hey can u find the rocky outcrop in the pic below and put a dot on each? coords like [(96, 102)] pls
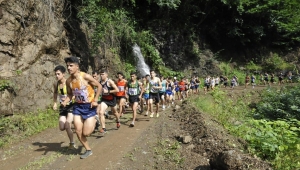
[(35, 36)]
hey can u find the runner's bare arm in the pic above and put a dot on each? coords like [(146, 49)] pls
[(159, 84), (69, 92), (142, 89), (114, 86), (55, 96), (94, 83)]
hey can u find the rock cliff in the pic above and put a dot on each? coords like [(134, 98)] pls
[(35, 36)]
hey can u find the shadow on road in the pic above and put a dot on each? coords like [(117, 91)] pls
[(55, 147)]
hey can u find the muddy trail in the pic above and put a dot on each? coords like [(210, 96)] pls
[(181, 138)]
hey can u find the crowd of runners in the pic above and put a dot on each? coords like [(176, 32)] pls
[(84, 98)]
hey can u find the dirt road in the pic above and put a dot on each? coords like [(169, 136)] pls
[(48, 150)]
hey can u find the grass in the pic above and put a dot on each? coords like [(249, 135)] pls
[(275, 141), (19, 126), (168, 150)]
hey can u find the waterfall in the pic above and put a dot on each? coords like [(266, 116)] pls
[(142, 67)]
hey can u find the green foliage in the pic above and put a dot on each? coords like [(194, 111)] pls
[(276, 141), (172, 4), (280, 104), (19, 126), (5, 84), (282, 15), (251, 66), (229, 72), (169, 151), (276, 63)]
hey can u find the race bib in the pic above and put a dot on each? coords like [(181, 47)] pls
[(133, 91), (80, 95), (121, 88)]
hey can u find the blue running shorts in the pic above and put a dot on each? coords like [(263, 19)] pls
[(84, 110)]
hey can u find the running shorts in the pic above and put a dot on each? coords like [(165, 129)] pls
[(134, 98), (110, 103), (161, 94), (146, 96), (63, 111), (154, 96), (170, 93), (84, 110)]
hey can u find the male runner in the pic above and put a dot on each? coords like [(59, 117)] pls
[(169, 91), (121, 95), (162, 92), (108, 99), (154, 86), (135, 94), (80, 85), (96, 76), (146, 91), (65, 113)]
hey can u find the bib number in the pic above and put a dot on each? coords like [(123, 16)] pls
[(132, 91), (121, 88)]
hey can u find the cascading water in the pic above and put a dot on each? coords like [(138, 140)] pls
[(142, 67)]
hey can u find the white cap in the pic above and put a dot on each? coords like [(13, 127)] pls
[(174, 78)]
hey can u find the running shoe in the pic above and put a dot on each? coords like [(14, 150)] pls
[(163, 107), (131, 125), (172, 102), (146, 114), (106, 115), (151, 115), (102, 130), (118, 125), (157, 114), (86, 154), (72, 146)]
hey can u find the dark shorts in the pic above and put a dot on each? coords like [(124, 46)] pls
[(63, 111), (84, 110), (154, 96), (146, 96), (161, 94), (196, 86), (120, 97), (177, 89), (266, 79), (133, 99), (110, 103), (192, 87)]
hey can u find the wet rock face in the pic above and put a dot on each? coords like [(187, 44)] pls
[(33, 40)]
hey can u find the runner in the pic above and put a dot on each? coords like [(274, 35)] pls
[(289, 77), (182, 87), (108, 99), (135, 95), (233, 82), (272, 78), (280, 78), (217, 81), (253, 81), (80, 85), (146, 94), (212, 83), (121, 95), (154, 86), (193, 85), (187, 87), (197, 85), (96, 76), (177, 93), (247, 80), (169, 91), (206, 84), (65, 113), (225, 81), (162, 92), (266, 79)]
